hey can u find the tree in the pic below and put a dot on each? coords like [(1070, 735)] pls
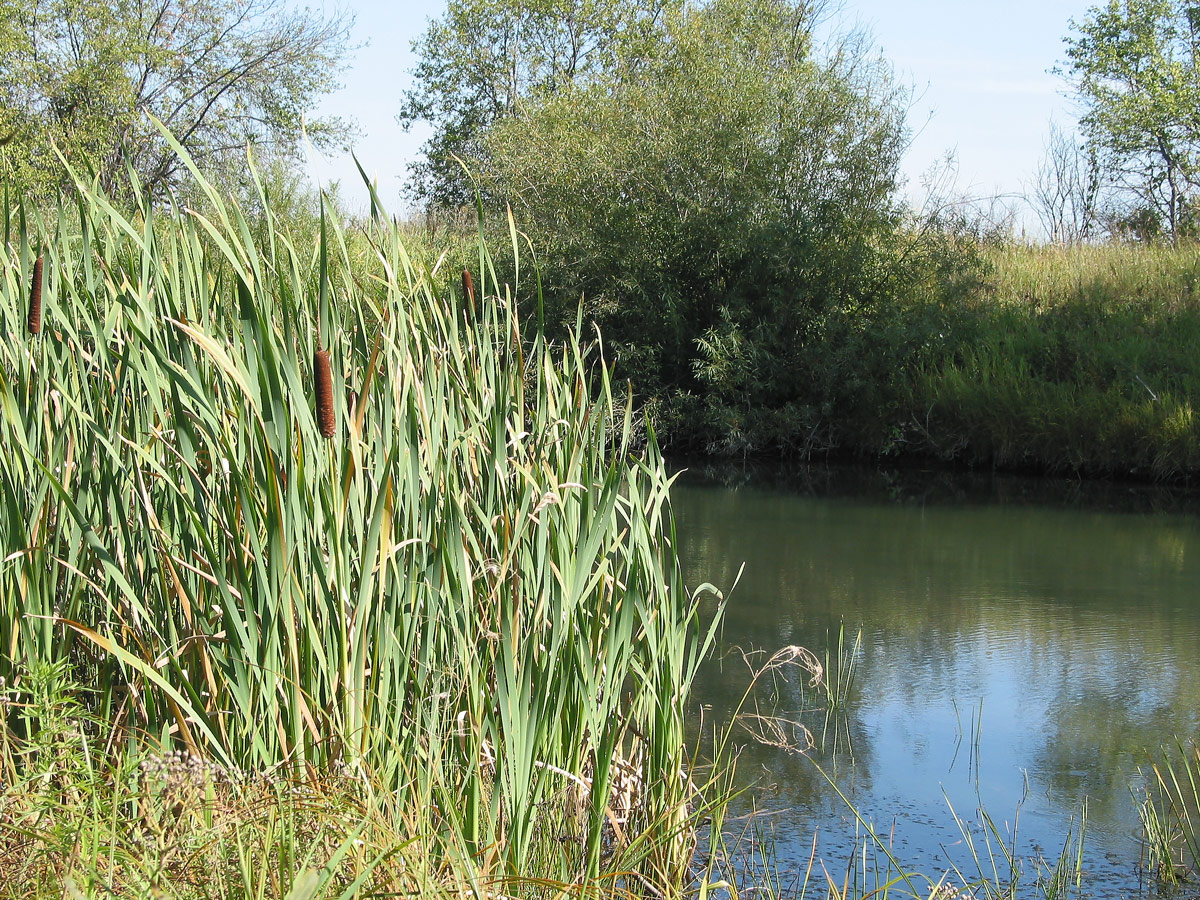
[(717, 202), (85, 75), (1135, 65), (1067, 189), (483, 58)]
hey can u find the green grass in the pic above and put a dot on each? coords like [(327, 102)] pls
[(1048, 359), (1075, 360), (1170, 815), (1157, 279), (459, 622)]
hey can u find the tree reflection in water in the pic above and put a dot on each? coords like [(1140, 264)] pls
[(1072, 620)]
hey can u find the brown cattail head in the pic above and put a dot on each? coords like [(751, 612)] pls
[(469, 290), (35, 298), (323, 383)]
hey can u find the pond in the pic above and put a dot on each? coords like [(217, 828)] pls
[(1026, 646)]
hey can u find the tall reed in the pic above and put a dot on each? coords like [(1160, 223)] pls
[(470, 600), (1170, 814)]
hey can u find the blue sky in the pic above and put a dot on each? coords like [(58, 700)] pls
[(980, 71)]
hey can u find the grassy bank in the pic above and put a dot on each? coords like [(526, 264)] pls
[(1044, 359), (318, 579), (1074, 359)]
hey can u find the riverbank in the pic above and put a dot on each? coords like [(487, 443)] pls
[(1076, 360)]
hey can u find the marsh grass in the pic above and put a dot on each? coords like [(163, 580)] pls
[(461, 622), (985, 861), (841, 666), (1158, 278), (1069, 359), (1048, 359), (992, 870), (1170, 815), (81, 824)]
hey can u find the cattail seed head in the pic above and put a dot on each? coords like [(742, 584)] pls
[(323, 384), (468, 289), (35, 298)]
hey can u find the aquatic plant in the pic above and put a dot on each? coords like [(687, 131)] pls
[(1170, 814), (323, 389), (34, 322), (841, 664), (468, 605)]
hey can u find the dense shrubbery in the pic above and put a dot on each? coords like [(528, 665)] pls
[(725, 208), (723, 204)]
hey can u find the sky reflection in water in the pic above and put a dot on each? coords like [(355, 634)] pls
[(1062, 636)]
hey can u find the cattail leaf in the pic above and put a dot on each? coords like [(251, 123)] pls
[(220, 357)]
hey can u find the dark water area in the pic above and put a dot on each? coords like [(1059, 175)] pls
[(1027, 645)]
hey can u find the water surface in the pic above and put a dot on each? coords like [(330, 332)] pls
[(1026, 645)]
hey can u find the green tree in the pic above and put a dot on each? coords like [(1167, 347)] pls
[(1134, 65), (84, 75), (483, 58), (726, 207)]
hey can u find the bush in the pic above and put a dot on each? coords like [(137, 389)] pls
[(726, 211)]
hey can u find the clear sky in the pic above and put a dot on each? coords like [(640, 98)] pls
[(980, 70)]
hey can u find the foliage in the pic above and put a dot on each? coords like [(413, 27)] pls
[(1069, 359), (1134, 65), (721, 206), (483, 58), (82, 823), (84, 76), (467, 598), (1074, 359)]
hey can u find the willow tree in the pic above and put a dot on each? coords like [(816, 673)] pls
[(715, 202), (479, 62), (84, 76)]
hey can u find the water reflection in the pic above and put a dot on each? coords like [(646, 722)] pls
[(1010, 646)]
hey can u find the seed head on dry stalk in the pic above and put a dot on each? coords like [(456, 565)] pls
[(323, 386), (35, 298)]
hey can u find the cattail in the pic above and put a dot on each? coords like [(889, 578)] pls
[(323, 382), (35, 298), (469, 290)]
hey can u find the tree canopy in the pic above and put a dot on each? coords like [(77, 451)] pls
[(726, 206), (220, 74), (715, 181), (482, 58), (1135, 65)]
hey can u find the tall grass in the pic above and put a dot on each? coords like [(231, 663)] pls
[(461, 592), (1170, 815), (1073, 359)]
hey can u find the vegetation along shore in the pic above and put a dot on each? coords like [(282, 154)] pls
[(761, 280), (318, 578), (337, 556)]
